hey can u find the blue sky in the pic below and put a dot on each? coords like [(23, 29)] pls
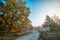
[(33, 8), (3, 1), (40, 8)]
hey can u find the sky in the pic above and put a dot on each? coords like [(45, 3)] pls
[(40, 8)]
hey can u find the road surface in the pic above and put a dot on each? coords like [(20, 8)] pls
[(32, 36)]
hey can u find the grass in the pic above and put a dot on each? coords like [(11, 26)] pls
[(49, 36)]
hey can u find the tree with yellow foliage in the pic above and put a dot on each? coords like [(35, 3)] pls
[(14, 16)]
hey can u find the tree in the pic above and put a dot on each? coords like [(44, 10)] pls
[(49, 22), (14, 16)]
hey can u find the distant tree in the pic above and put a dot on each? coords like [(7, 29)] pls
[(49, 22), (31, 28)]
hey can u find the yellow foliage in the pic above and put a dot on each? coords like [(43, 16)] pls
[(13, 1), (11, 13), (21, 17), (3, 22), (10, 1), (13, 30)]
